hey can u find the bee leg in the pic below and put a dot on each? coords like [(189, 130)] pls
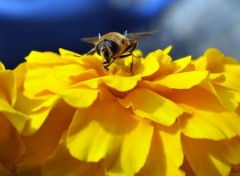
[(106, 64), (130, 48), (91, 51)]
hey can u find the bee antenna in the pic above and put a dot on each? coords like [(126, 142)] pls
[(99, 36), (125, 33)]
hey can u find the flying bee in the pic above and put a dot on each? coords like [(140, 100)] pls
[(114, 45)]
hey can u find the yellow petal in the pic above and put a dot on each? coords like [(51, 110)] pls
[(7, 86), (17, 119), (167, 50), (11, 145), (55, 84), (181, 64), (63, 72), (233, 69), (44, 58), (19, 73), (187, 168), (148, 104), (36, 110), (227, 97), (208, 157), (121, 83), (35, 79), (45, 140), (183, 80), (91, 83), (159, 89), (200, 63), (164, 62), (65, 52), (166, 155), (148, 67), (211, 125), (106, 130), (80, 98), (69, 165), (232, 150), (135, 148), (206, 118), (230, 81), (71, 72), (106, 95), (2, 66)]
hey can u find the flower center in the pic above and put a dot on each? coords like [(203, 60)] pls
[(126, 66)]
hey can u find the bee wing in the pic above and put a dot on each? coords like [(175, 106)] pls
[(91, 40), (133, 36)]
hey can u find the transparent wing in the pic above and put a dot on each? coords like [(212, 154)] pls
[(133, 36), (90, 39)]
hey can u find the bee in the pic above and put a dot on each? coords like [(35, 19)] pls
[(114, 45)]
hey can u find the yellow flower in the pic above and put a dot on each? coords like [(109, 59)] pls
[(167, 118)]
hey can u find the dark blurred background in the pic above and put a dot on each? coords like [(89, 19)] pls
[(190, 26)]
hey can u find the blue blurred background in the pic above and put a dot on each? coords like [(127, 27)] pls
[(190, 26)]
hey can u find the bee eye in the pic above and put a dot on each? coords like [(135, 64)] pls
[(99, 47), (106, 54), (113, 46), (107, 44)]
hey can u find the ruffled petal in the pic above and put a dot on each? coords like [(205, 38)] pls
[(181, 64), (7, 87), (44, 58), (37, 111), (63, 72), (148, 104), (64, 52), (33, 86), (80, 98), (121, 83), (208, 157), (166, 155), (206, 125), (205, 117), (230, 81), (46, 139), (11, 145), (19, 73), (148, 66), (110, 133), (228, 98), (183, 80), (69, 165), (17, 119)]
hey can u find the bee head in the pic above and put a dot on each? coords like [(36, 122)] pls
[(107, 49)]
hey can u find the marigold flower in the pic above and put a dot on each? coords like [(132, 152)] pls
[(167, 118)]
